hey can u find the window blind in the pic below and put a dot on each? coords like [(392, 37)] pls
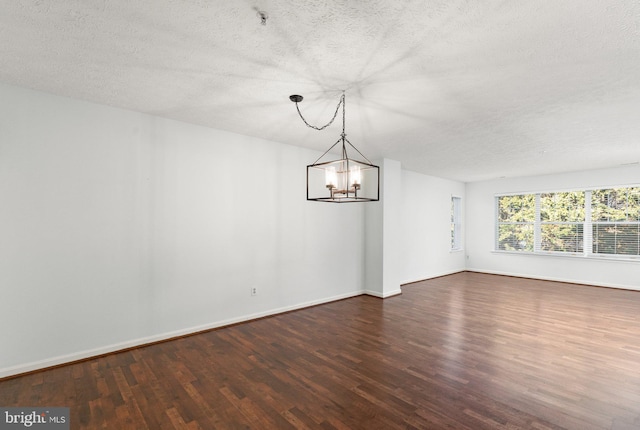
[(615, 214), (585, 222), (456, 223)]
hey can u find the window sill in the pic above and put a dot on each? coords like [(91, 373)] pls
[(626, 258)]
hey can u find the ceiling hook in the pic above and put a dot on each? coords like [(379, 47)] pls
[(263, 17)]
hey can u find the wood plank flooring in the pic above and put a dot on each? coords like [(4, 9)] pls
[(465, 351)]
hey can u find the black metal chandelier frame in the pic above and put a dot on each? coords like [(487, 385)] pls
[(350, 169)]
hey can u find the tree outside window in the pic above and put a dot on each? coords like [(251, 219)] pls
[(585, 222)]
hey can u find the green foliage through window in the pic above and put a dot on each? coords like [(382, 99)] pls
[(615, 216), (456, 223), (565, 222), (516, 216), (562, 216)]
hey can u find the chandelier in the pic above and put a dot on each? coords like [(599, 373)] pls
[(343, 180)]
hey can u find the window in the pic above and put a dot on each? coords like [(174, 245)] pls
[(456, 224), (586, 222), (562, 217), (516, 220), (615, 215)]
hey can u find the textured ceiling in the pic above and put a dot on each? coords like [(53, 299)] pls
[(458, 89)]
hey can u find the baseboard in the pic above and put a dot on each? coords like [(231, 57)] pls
[(438, 275), (20, 369), (383, 296), (399, 290), (551, 278)]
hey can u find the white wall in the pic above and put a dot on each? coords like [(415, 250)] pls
[(383, 241), (480, 231), (119, 228), (426, 227)]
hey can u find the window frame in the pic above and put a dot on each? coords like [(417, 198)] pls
[(456, 224), (588, 226), (617, 224)]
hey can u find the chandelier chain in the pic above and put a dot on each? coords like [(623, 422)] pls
[(335, 114), (344, 108)]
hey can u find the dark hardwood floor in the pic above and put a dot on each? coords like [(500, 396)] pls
[(465, 351)]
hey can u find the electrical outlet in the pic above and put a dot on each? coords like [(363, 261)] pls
[(254, 291)]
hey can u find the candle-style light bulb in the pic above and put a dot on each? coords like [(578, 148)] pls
[(355, 176), (330, 177)]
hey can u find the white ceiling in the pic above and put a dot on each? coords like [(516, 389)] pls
[(468, 90)]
